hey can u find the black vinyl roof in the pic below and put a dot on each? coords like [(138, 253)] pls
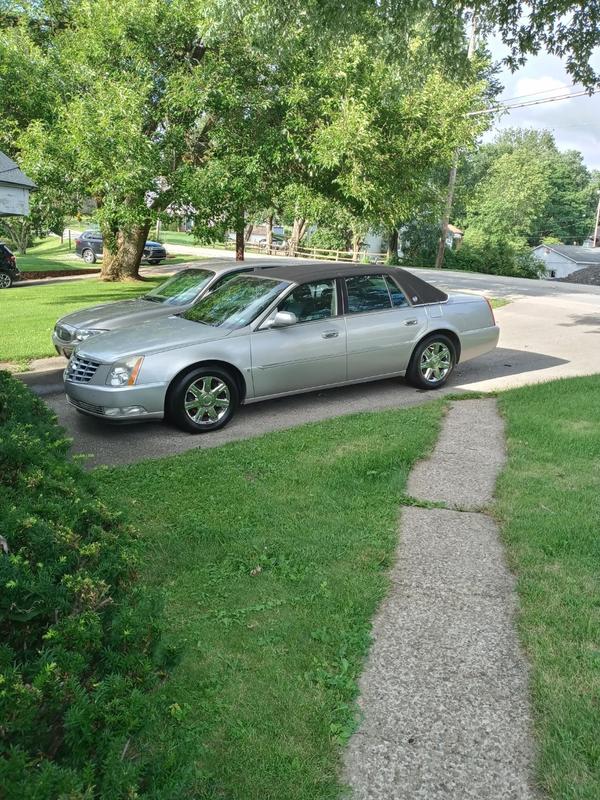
[(418, 291)]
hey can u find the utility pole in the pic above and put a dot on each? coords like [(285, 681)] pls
[(439, 259), (596, 241)]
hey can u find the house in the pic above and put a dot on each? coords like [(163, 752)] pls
[(561, 260), (14, 189), (454, 237)]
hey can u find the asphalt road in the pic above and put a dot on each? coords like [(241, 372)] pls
[(549, 330)]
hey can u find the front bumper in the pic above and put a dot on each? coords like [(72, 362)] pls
[(127, 404), (63, 348)]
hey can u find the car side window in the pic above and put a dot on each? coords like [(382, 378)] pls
[(367, 293), (398, 297), (312, 301)]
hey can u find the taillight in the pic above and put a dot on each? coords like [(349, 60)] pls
[(491, 311), (77, 241), (13, 261)]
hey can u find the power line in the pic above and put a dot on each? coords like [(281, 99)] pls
[(495, 109), (535, 94)]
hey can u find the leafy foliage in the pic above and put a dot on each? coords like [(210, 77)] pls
[(493, 256), (78, 638)]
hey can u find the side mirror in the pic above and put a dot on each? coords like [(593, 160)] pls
[(283, 319)]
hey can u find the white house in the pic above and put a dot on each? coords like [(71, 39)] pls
[(14, 189), (560, 260)]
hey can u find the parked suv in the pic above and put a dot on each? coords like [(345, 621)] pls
[(89, 247), (9, 272)]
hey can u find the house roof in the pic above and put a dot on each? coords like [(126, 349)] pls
[(454, 229), (575, 253), (11, 175)]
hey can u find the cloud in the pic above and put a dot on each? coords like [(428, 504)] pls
[(575, 122)]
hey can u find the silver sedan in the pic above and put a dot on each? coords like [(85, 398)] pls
[(292, 329), (173, 296)]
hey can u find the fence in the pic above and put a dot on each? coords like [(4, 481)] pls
[(318, 253)]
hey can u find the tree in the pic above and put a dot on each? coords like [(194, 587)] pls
[(522, 185)]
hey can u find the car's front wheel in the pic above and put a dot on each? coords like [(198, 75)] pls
[(5, 280), (155, 261), (89, 256), (203, 400), (432, 362)]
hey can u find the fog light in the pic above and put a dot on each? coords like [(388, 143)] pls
[(134, 410), (112, 412)]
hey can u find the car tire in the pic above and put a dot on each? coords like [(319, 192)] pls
[(432, 362), (89, 256), (202, 400), (155, 261), (6, 280)]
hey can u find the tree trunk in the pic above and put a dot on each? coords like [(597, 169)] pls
[(123, 263), (356, 245), (392, 248), (269, 233), (18, 231), (239, 242), (298, 230), (248, 234)]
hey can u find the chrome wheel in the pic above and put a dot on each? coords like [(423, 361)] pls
[(207, 400), (436, 362), (5, 281), (89, 257)]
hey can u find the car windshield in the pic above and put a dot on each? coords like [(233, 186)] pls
[(181, 288), (236, 303)]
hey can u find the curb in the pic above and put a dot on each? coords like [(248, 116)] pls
[(45, 382)]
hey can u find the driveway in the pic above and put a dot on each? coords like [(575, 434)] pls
[(549, 330)]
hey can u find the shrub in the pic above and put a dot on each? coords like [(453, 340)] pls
[(495, 258), (78, 636)]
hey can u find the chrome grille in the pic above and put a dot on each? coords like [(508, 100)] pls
[(80, 369)]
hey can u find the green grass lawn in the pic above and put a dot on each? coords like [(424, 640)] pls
[(272, 555), (28, 313), (50, 255), (549, 506)]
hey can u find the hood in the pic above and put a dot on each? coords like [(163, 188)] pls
[(117, 315), (151, 337)]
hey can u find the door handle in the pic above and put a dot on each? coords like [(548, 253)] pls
[(330, 334), (411, 322)]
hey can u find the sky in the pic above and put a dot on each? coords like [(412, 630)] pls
[(575, 123)]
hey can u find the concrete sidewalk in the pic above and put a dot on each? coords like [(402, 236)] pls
[(444, 694)]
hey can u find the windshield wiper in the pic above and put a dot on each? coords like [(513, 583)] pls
[(153, 298)]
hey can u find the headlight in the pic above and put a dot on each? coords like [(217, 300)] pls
[(124, 373), (81, 335)]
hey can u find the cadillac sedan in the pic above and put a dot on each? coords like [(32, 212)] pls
[(267, 334), (174, 296)]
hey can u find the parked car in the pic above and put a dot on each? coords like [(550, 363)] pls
[(286, 330), (9, 272), (90, 243), (173, 296)]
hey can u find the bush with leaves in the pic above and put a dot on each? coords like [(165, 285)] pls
[(79, 637), (495, 258)]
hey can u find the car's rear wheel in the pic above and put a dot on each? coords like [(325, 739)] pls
[(432, 362), (5, 280), (203, 400), (89, 256)]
